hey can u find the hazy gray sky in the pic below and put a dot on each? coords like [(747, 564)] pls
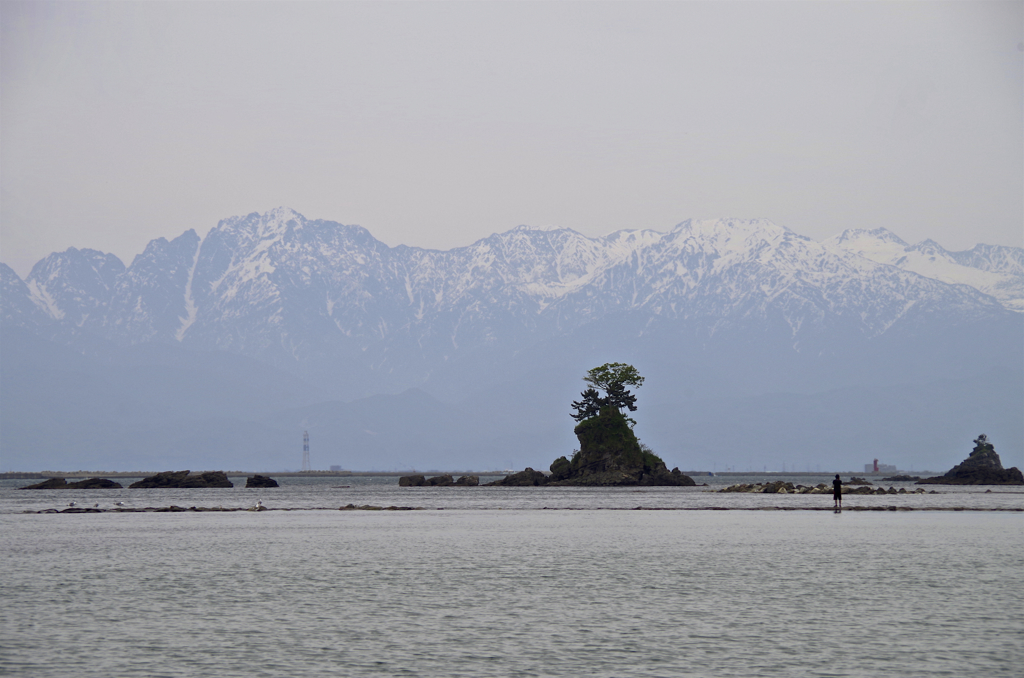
[(435, 124)]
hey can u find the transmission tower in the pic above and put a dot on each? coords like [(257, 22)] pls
[(305, 451)]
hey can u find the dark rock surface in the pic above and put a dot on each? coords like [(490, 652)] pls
[(182, 479), (982, 467), (443, 480), (50, 484), (260, 481), (87, 484), (468, 481), (782, 487), (525, 478)]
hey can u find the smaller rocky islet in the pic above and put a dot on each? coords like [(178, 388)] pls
[(62, 484), (207, 479), (443, 480), (259, 481), (166, 479), (982, 467), (183, 479)]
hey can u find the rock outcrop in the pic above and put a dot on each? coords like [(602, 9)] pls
[(443, 480), (184, 479), (260, 481), (609, 455), (525, 478), (782, 487), (87, 484), (982, 467)]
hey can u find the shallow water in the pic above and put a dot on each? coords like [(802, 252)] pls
[(332, 493), (495, 586)]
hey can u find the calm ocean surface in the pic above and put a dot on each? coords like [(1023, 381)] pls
[(495, 585)]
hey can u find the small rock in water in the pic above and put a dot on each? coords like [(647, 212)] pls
[(260, 481)]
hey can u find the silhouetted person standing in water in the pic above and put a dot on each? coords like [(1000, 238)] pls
[(837, 493)]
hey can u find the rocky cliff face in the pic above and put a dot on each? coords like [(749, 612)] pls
[(982, 467)]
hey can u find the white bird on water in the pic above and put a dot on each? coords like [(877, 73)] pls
[(71, 503), (118, 503)]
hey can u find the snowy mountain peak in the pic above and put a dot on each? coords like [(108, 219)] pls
[(256, 227), (858, 235), (931, 247), (72, 284), (731, 234)]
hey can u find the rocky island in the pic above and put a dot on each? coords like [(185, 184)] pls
[(609, 453), (982, 467)]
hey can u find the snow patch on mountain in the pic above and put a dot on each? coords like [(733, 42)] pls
[(43, 299), (190, 303)]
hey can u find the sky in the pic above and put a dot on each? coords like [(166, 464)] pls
[(436, 124)]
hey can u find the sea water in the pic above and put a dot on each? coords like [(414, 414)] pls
[(492, 582)]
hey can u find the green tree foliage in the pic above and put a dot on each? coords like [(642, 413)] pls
[(612, 378), (613, 374), (588, 406)]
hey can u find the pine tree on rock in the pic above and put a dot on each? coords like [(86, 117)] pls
[(612, 378)]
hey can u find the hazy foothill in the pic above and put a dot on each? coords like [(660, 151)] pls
[(763, 349)]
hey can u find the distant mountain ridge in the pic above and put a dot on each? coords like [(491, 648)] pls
[(279, 287), (725, 308)]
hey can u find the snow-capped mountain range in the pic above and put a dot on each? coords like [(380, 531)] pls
[(717, 301), (280, 286)]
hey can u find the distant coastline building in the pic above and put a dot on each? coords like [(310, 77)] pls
[(875, 467)]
